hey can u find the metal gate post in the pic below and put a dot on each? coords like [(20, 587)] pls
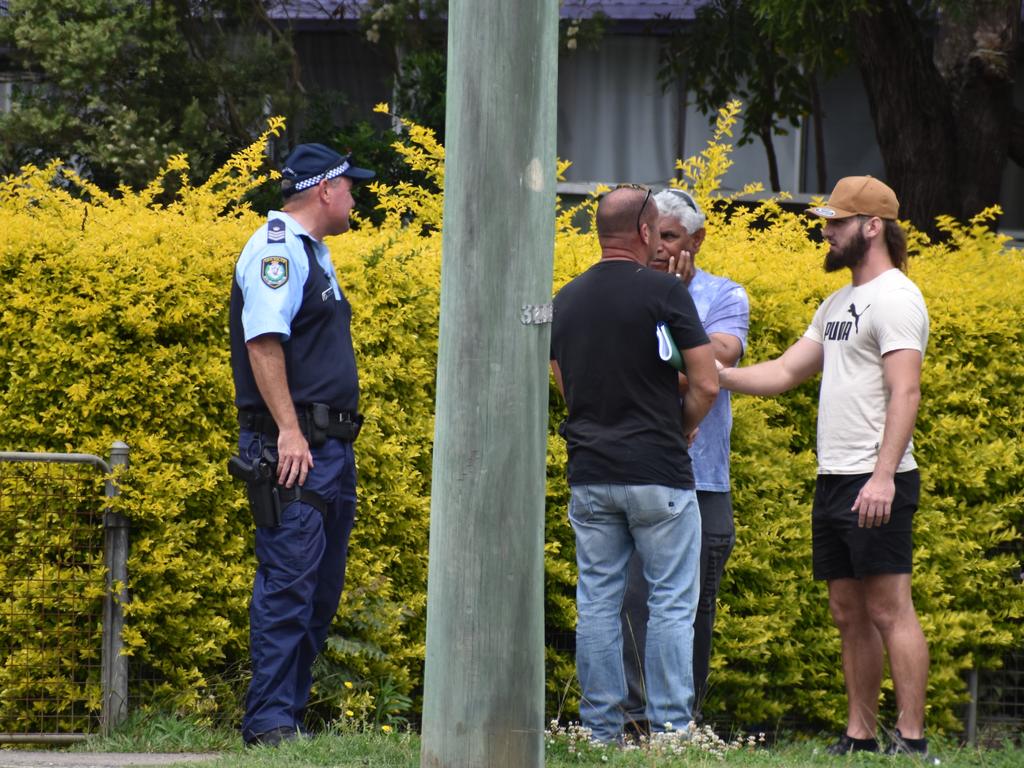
[(115, 555), (972, 708)]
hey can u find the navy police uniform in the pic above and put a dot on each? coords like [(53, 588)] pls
[(285, 284)]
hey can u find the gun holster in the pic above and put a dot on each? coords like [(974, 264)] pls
[(261, 485)]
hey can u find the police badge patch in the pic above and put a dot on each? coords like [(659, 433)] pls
[(274, 271), (275, 231)]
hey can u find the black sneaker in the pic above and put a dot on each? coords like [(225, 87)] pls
[(272, 738), (900, 745), (637, 730), (847, 744)]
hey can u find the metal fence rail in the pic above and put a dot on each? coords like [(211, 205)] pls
[(63, 553)]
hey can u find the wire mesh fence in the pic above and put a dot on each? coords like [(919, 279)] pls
[(55, 597), (995, 712)]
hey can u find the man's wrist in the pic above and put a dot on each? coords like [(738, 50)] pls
[(287, 421), (884, 473)]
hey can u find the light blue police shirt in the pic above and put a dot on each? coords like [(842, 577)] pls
[(723, 307), (271, 271)]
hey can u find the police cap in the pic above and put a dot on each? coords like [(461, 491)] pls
[(309, 164)]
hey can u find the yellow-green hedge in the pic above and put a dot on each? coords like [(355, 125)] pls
[(114, 318)]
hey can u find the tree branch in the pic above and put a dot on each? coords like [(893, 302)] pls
[(296, 67)]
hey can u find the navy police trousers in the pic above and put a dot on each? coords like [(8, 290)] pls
[(299, 577)]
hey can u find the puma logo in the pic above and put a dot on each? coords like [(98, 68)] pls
[(856, 317)]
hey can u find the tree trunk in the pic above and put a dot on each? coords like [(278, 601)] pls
[(1017, 138), (911, 109), (773, 162), (818, 115), (943, 113), (974, 54)]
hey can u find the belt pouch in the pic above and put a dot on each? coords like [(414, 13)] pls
[(319, 419)]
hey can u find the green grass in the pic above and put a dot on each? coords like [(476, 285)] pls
[(146, 732), (401, 750), (789, 755)]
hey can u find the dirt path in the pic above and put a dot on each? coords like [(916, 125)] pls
[(10, 758)]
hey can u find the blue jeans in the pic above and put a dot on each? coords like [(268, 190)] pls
[(718, 535), (663, 525)]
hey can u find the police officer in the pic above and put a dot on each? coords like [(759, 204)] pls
[(297, 393)]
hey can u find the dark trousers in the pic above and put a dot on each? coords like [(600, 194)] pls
[(298, 584), (718, 534)]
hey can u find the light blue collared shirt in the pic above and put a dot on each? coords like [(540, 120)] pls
[(723, 307), (271, 272)]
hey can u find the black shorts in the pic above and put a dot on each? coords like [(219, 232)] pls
[(841, 549)]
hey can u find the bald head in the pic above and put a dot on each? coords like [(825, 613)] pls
[(627, 225), (619, 212)]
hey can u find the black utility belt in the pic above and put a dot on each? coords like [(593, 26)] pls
[(317, 421)]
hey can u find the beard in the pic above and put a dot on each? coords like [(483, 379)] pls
[(847, 256)]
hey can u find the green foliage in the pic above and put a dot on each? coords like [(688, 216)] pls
[(767, 54), (415, 31), (583, 33), (117, 85), (352, 746), (373, 148), (146, 731)]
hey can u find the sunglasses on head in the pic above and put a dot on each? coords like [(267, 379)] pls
[(641, 188), (685, 197)]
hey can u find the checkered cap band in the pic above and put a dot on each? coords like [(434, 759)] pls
[(312, 181)]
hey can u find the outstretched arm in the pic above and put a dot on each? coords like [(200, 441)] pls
[(797, 364)]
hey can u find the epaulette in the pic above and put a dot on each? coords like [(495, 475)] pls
[(275, 231)]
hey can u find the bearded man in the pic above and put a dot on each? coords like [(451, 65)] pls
[(868, 341)]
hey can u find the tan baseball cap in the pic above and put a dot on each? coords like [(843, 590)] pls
[(859, 196)]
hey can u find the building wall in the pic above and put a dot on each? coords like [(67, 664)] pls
[(615, 121), (341, 67), (617, 124)]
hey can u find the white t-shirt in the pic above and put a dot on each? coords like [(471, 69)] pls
[(856, 325)]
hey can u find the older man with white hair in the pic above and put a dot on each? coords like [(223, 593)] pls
[(724, 312)]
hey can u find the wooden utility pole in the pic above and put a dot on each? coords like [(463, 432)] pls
[(484, 681)]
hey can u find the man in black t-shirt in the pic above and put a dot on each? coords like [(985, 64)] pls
[(629, 472)]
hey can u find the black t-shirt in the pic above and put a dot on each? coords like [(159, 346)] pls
[(625, 420)]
